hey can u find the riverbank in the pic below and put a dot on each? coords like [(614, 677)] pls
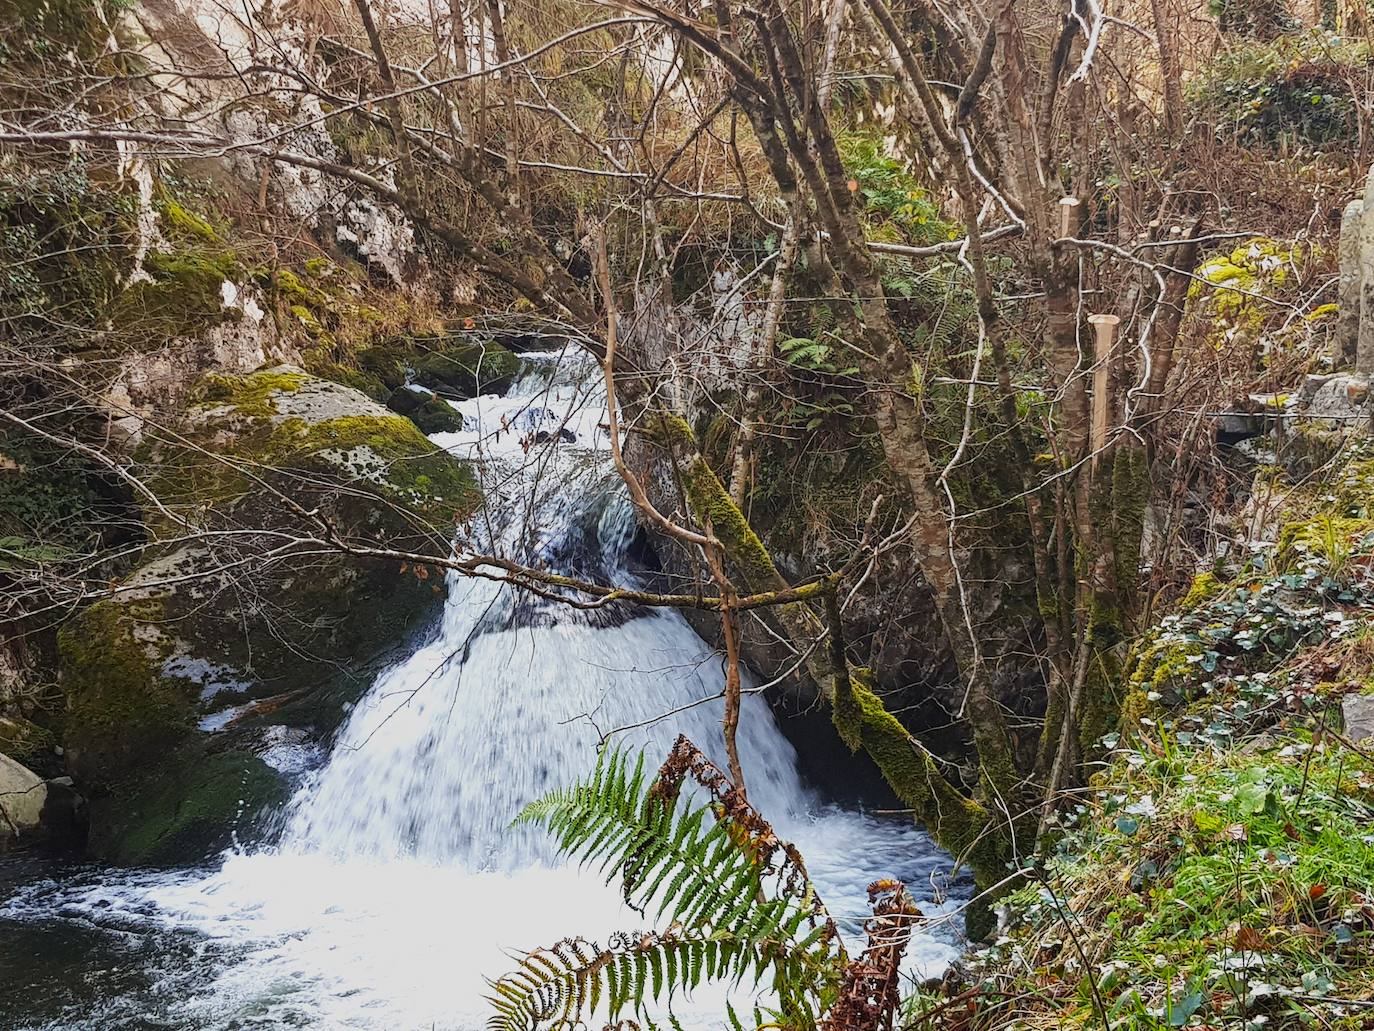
[(1219, 868)]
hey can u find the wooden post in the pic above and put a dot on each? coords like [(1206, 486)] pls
[(1069, 215), (1104, 327), (1364, 348), (1348, 314)]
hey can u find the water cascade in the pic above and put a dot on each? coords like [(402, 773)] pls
[(397, 884)]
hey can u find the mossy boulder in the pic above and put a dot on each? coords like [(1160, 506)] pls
[(121, 709), (465, 368), (182, 296), (429, 412), (257, 613), (186, 810), (385, 364)]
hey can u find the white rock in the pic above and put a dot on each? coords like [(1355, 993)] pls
[(1358, 710), (22, 795)]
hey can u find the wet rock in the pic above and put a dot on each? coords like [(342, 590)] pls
[(216, 623), (464, 369), (185, 809), (563, 433)]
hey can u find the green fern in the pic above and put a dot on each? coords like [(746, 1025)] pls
[(737, 903)]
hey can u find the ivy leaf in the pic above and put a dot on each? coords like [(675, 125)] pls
[(1180, 1010)]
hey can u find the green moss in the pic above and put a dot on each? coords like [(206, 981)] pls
[(1162, 668), (957, 823), (712, 506), (387, 363), (430, 414), (185, 810), (1233, 287), (463, 368), (1334, 539), (121, 711), (181, 222), (358, 379), (307, 319), (25, 741), (1130, 493), (385, 454), (185, 294), (390, 451), (1204, 588), (248, 395), (1101, 711)]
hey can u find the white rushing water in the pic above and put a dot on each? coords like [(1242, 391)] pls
[(398, 884)]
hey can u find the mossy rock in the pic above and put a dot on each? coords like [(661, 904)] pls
[(429, 413), (183, 296), (182, 223), (336, 372), (320, 443), (185, 810), (122, 711), (308, 628), (465, 369), (387, 364)]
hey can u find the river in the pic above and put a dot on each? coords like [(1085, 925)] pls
[(394, 885)]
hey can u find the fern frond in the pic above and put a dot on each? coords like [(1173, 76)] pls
[(566, 984), (738, 905)]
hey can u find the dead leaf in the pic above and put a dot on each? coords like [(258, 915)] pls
[(1235, 832), (1316, 891), (1249, 940)]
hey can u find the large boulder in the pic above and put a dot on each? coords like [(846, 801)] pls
[(256, 613), (429, 412), (463, 368)]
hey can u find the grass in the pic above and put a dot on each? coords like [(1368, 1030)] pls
[(1205, 887)]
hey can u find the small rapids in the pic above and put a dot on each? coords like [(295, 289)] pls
[(397, 885)]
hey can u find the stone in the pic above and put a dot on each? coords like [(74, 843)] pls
[(1342, 399), (159, 678), (185, 809), (429, 412), (22, 797), (1358, 711)]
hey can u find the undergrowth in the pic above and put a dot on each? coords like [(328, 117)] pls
[(1219, 871)]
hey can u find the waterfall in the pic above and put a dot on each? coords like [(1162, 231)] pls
[(510, 699), (398, 884)]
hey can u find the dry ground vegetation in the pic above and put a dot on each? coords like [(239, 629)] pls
[(919, 206)]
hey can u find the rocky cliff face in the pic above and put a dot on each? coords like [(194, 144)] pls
[(191, 323)]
